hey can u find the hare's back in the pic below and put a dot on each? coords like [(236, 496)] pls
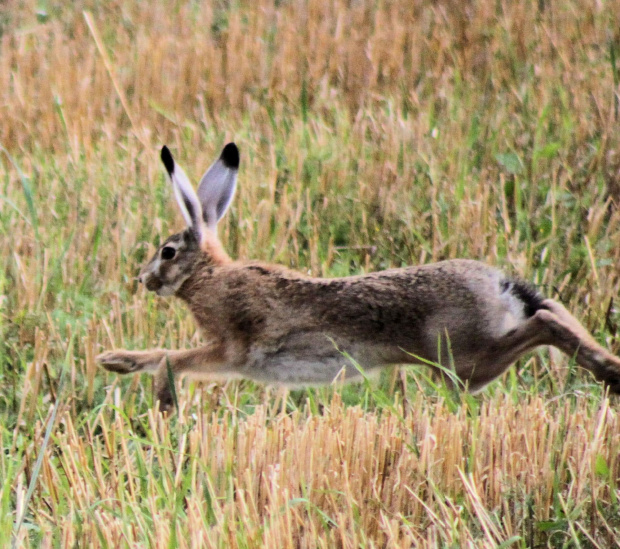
[(377, 319), (468, 304)]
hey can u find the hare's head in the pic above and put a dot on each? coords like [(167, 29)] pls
[(176, 259)]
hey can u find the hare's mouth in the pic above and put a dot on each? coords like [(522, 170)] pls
[(156, 285), (153, 284)]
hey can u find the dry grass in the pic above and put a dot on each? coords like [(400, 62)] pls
[(347, 478), (372, 134)]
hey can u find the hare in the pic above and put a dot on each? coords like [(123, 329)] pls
[(277, 326)]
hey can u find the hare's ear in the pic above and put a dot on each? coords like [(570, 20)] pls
[(184, 193), (217, 186)]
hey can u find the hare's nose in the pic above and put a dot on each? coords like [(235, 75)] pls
[(140, 279)]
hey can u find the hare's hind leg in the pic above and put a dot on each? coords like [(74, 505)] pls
[(550, 325), (573, 339), (502, 352)]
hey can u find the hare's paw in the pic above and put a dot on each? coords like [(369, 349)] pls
[(163, 390), (606, 368), (127, 362), (166, 402), (609, 374), (121, 362), (614, 387)]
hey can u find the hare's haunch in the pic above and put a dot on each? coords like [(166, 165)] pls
[(274, 325)]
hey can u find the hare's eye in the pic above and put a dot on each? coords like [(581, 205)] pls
[(168, 252)]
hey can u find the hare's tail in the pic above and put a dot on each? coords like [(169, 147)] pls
[(526, 293)]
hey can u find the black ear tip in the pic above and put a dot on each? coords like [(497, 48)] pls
[(167, 159), (230, 156)]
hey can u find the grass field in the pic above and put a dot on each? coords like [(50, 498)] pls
[(372, 135)]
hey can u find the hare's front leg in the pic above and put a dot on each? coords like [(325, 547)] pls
[(129, 362), (214, 361)]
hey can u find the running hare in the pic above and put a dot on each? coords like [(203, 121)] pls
[(274, 325)]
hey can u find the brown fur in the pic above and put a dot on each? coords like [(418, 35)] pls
[(274, 325), (212, 248)]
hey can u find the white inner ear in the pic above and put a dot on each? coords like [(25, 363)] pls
[(187, 200), (216, 191)]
